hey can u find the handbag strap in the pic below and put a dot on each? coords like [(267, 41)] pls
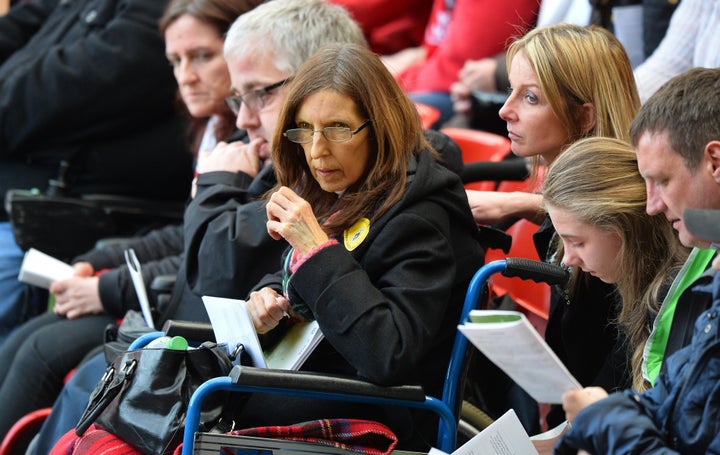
[(105, 391)]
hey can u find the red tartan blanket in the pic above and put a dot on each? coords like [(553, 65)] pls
[(95, 441), (362, 436)]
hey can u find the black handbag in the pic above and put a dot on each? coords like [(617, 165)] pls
[(143, 396), (119, 337)]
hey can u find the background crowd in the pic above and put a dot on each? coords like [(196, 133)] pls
[(288, 132)]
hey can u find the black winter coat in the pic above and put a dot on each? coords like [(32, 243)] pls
[(87, 81), (389, 308)]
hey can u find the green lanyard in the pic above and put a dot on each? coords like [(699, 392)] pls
[(286, 272), (655, 346)]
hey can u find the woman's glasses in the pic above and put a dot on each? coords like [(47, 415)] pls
[(331, 133)]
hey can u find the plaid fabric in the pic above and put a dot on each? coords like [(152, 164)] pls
[(95, 441), (362, 436)]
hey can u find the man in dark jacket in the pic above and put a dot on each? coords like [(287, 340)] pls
[(232, 268), (676, 135), (86, 88)]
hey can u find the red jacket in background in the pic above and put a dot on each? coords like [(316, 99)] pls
[(390, 25), (461, 30)]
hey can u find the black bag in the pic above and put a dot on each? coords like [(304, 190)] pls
[(118, 338), (143, 395)]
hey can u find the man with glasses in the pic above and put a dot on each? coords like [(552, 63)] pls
[(225, 235)]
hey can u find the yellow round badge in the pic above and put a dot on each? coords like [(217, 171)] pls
[(354, 236)]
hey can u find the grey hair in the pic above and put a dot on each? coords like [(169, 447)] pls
[(291, 31)]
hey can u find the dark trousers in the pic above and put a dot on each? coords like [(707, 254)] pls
[(37, 356)]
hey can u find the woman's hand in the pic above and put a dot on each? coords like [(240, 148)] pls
[(267, 308), (575, 401), (291, 217), (490, 207)]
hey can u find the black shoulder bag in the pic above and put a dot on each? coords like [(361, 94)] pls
[(143, 396)]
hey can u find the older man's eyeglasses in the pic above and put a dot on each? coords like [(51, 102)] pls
[(331, 133), (254, 99)]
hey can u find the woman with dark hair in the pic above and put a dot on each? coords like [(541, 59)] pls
[(382, 241), (194, 32)]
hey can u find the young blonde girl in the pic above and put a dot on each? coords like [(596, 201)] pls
[(596, 198)]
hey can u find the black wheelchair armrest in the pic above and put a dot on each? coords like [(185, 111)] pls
[(492, 237), (321, 382), (161, 288), (157, 209), (512, 169)]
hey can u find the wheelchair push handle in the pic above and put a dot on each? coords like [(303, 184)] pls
[(540, 272)]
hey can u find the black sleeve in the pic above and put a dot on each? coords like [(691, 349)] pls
[(21, 23), (157, 244), (501, 73), (228, 249), (117, 292), (106, 72)]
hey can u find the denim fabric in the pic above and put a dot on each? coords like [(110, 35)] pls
[(37, 357), (12, 302)]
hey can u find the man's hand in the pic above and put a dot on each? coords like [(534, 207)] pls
[(474, 75), (232, 157), (575, 401)]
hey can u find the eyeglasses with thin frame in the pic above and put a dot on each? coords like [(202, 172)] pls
[(253, 99), (331, 133)]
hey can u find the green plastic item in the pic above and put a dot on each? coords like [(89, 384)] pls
[(178, 343)]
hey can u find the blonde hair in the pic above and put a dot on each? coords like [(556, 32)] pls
[(577, 65), (597, 181)]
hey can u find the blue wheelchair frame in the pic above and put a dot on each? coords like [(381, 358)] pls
[(323, 386)]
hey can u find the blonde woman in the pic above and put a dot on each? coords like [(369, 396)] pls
[(567, 82)]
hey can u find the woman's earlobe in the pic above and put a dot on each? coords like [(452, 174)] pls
[(589, 117)]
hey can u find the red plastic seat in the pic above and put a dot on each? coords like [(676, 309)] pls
[(532, 298), (477, 145), (428, 115), (22, 432)]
